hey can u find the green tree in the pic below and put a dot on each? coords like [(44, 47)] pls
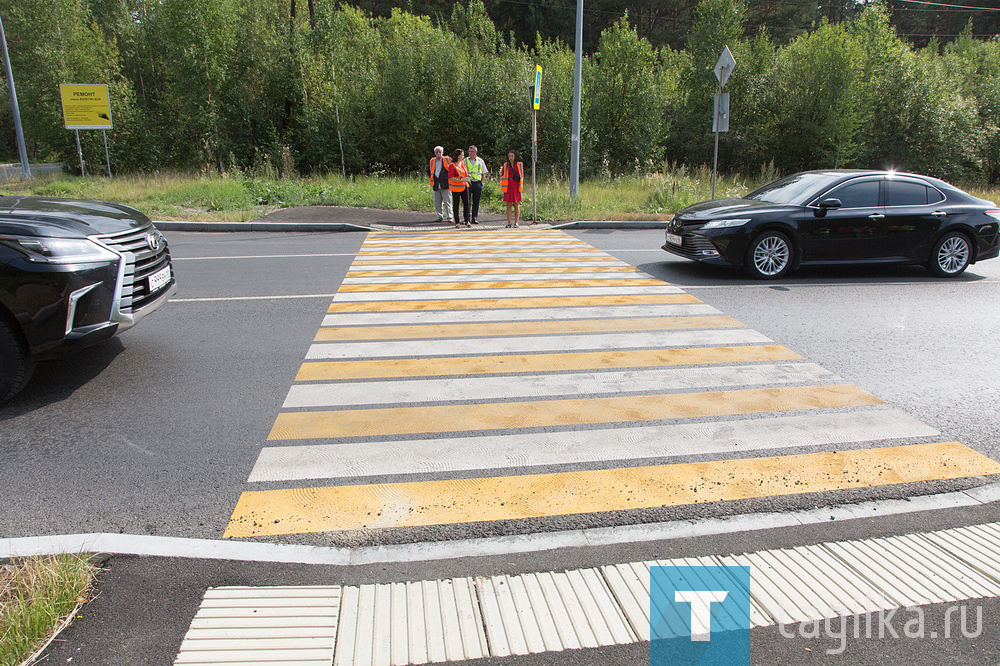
[(812, 95), (625, 88)]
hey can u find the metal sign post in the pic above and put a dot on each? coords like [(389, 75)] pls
[(79, 151), (87, 106), (107, 155), (534, 141), (720, 115)]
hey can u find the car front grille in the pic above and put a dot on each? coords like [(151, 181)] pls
[(140, 263), (693, 246)]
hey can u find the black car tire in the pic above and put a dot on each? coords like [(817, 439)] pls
[(769, 256), (15, 362), (951, 255)]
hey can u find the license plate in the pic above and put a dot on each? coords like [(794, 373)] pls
[(159, 279), (674, 239)]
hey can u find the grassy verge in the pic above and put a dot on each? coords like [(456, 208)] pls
[(239, 198), (37, 595)]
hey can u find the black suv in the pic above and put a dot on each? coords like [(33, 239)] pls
[(72, 273)]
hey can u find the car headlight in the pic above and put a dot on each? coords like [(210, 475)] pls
[(725, 224), (59, 250)]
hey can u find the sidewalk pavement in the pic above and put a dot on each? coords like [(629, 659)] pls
[(145, 606)]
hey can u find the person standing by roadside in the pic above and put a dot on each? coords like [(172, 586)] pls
[(458, 183), (438, 171), (512, 182), (477, 174)]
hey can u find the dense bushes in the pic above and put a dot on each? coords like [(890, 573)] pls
[(225, 85)]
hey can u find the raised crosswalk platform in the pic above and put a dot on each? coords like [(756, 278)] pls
[(498, 376)]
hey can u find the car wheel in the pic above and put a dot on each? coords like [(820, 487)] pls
[(769, 256), (951, 255), (15, 362)]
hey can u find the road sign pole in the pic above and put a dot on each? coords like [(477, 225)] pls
[(22, 151), (715, 159), (534, 160), (107, 155), (723, 68), (79, 152)]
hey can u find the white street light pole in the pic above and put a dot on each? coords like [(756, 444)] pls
[(22, 151), (574, 137)]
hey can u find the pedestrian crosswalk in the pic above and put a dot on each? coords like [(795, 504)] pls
[(495, 376)]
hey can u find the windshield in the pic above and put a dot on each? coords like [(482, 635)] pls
[(797, 189)]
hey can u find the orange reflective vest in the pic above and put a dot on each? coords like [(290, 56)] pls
[(455, 184), (505, 177), (430, 167)]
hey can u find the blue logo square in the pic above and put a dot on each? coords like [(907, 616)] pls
[(700, 615)]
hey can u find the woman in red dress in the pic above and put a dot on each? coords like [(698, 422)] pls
[(511, 182)]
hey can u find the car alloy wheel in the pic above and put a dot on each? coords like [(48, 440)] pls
[(769, 256), (951, 255)]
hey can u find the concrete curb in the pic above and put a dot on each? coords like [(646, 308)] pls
[(175, 225), (246, 551), (221, 227)]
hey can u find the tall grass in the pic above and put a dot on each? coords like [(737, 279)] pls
[(240, 197), (36, 597)]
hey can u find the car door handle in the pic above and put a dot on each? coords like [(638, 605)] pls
[(939, 213), (876, 216)]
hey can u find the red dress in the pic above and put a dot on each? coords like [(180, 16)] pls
[(513, 192)]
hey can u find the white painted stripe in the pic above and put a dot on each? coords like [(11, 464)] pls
[(526, 292), (516, 314), (282, 297), (267, 256), (420, 456), (245, 551), (648, 380), (521, 344), (922, 283), (499, 264), (491, 277), (383, 255)]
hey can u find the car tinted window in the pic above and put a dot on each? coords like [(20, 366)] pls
[(856, 195), (797, 189), (934, 195), (903, 193)]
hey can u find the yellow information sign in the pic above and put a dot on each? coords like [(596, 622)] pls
[(86, 106)]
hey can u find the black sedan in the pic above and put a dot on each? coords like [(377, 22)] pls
[(840, 217)]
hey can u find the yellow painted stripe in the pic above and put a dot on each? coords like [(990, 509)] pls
[(546, 413), (501, 303), (482, 251), (494, 329), (489, 271), (504, 284), (481, 260), (489, 365), (413, 504)]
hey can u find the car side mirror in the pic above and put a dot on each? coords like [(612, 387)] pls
[(825, 205)]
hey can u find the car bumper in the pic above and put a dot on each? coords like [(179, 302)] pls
[(703, 248)]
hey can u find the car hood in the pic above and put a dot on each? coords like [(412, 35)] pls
[(728, 208), (45, 216)]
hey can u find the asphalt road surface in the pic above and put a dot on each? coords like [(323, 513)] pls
[(158, 431), (277, 383)]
